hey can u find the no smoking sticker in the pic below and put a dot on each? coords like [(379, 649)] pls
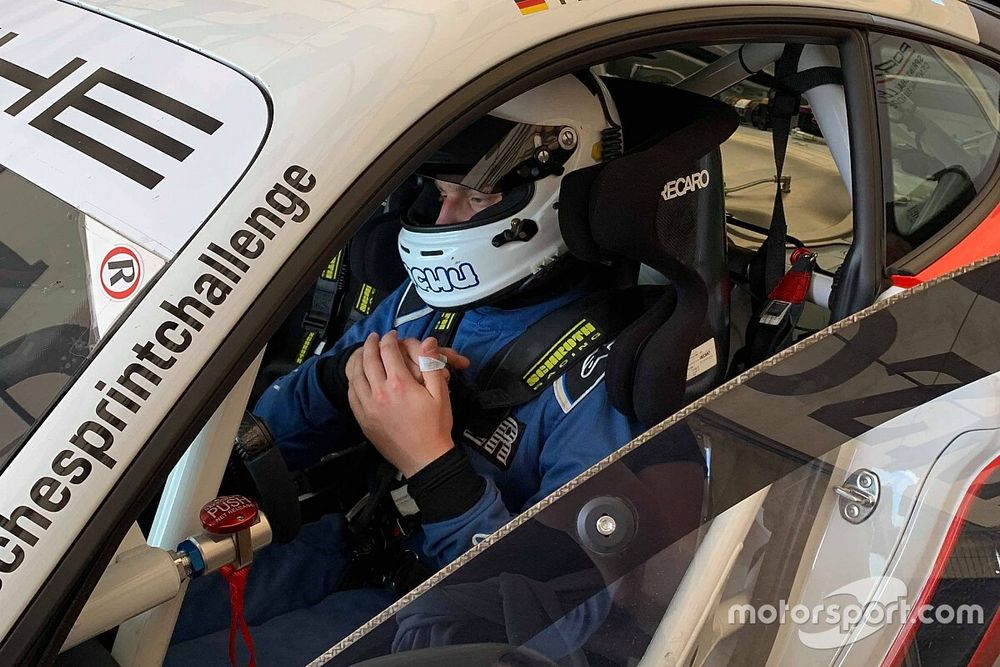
[(121, 272)]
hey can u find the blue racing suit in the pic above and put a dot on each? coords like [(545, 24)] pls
[(554, 441), (542, 445)]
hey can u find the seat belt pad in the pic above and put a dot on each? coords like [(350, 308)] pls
[(324, 301)]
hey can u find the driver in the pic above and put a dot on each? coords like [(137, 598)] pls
[(481, 245)]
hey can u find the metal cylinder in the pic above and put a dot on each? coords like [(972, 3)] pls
[(829, 106), (218, 550), (731, 69)]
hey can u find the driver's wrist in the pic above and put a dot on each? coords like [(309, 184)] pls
[(331, 374), (428, 455)]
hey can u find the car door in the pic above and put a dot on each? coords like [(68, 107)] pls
[(598, 574)]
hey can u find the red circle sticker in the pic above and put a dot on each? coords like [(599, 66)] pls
[(121, 272)]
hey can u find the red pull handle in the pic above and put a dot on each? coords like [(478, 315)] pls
[(234, 515), (237, 580)]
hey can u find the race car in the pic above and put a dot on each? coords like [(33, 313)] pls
[(183, 181)]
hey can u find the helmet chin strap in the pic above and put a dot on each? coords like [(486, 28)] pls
[(559, 276)]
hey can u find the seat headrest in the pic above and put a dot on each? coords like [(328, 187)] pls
[(642, 206)]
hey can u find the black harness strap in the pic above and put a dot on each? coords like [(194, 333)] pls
[(768, 265), (378, 528), (774, 315), (807, 79), (329, 286), (773, 330), (275, 486), (445, 326), (368, 298), (325, 304), (548, 349), (515, 375)]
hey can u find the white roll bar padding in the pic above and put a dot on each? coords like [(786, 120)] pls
[(820, 289), (143, 640), (697, 598), (829, 106), (828, 102)]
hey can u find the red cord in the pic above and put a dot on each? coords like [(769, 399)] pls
[(238, 623)]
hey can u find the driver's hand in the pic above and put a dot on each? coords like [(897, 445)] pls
[(409, 422), (411, 352)]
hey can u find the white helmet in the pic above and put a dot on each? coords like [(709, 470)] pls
[(521, 149)]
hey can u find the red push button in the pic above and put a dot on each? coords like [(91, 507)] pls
[(798, 253), (228, 514)]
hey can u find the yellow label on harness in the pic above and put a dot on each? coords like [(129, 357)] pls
[(306, 347), (333, 268), (565, 349), (365, 299), (444, 322)]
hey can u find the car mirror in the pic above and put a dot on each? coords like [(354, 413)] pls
[(953, 191)]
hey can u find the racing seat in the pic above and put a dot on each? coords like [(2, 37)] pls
[(662, 204)]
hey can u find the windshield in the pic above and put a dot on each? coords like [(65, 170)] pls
[(45, 312), (833, 479)]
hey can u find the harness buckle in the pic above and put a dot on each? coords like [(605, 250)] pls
[(323, 303)]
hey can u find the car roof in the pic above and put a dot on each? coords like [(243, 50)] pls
[(371, 68), (257, 36)]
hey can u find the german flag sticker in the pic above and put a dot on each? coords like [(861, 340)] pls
[(531, 6)]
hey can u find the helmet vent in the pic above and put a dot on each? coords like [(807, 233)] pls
[(611, 144)]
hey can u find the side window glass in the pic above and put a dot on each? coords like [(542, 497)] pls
[(644, 557), (939, 116)]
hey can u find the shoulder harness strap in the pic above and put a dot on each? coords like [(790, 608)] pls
[(543, 353), (553, 344), (411, 307), (445, 326)]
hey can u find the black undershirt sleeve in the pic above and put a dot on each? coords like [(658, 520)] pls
[(447, 487), (331, 372)]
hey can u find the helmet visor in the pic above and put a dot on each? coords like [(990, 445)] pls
[(495, 155)]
